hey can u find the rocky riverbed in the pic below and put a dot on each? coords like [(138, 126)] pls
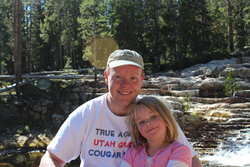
[(212, 120)]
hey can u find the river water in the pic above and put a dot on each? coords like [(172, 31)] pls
[(233, 157), (240, 157), (232, 151), (238, 154)]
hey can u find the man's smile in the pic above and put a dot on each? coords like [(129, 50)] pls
[(125, 93)]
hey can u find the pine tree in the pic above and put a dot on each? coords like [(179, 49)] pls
[(95, 31), (6, 37), (18, 43)]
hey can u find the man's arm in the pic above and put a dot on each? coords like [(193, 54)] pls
[(50, 160), (196, 162)]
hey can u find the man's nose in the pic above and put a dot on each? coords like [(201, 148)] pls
[(124, 82)]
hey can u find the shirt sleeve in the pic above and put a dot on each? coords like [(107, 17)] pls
[(66, 145), (182, 139), (128, 157), (173, 163), (181, 155)]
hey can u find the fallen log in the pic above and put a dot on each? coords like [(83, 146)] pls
[(67, 77), (8, 88)]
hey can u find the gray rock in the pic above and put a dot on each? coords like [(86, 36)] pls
[(243, 93)]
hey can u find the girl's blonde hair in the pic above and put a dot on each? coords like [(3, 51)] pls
[(158, 106)]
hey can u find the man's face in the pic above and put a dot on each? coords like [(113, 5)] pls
[(124, 84)]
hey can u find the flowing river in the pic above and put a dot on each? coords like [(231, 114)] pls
[(237, 155)]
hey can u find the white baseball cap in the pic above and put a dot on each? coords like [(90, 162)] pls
[(125, 57)]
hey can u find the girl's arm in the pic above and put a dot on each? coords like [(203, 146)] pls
[(180, 157)]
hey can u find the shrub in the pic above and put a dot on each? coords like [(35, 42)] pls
[(230, 86), (186, 102)]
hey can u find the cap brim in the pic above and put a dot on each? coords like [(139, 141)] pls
[(118, 63)]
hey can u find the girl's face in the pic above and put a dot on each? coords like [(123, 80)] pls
[(150, 124)]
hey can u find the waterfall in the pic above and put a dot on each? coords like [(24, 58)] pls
[(233, 152)]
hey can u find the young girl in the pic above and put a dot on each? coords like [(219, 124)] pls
[(154, 133)]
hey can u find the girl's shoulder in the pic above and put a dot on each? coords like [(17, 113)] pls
[(179, 148), (135, 150), (177, 144)]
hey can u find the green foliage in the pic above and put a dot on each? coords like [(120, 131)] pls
[(68, 64), (153, 37), (24, 130), (59, 30), (32, 44), (168, 33), (95, 31), (186, 102), (6, 36), (127, 19), (94, 19), (230, 86), (241, 23)]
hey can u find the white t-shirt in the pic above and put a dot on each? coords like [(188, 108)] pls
[(96, 134)]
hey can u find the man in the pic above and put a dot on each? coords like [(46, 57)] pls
[(97, 130)]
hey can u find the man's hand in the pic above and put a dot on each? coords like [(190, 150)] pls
[(196, 162)]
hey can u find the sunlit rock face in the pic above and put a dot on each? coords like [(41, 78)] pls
[(217, 125)]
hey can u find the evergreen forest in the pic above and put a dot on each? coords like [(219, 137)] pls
[(43, 35)]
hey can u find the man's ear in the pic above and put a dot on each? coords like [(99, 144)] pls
[(142, 77), (106, 77)]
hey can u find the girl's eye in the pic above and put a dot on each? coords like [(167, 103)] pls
[(153, 117), (141, 123)]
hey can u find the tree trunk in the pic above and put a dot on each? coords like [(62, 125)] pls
[(230, 26), (30, 63), (60, 54), (18, 43)]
